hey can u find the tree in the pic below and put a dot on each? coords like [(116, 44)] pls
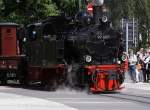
[(26, 11), (68, 6), (1, 8), (132, 9)]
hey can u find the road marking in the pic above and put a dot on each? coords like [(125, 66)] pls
[(72, 98), (18, 102), (69, 102), (143, 93), (86, 102)]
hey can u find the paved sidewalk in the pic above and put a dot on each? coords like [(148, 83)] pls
[(18, 102), (140, 85)]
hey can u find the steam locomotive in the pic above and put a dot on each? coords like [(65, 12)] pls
[(82, 51)]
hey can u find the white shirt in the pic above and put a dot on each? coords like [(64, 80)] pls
[(140, 54), (147, 59), (132, 59)]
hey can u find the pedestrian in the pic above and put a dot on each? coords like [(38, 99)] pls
[(132, 65), (139, 69), (139, 73), (146, 61), (140, 53)]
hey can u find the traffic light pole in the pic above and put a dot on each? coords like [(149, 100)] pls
[(127, 37), (133, 34)]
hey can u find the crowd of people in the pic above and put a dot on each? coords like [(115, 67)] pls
[(139, 65)]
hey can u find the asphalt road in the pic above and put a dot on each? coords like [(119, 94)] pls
[(134, 96)]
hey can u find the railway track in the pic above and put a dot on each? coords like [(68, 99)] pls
[(129, 97)]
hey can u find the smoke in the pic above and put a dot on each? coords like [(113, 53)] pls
[(98, 2), (71, 83)]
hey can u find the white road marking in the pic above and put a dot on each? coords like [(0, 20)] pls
[(18, 102), (143, 93), (72, 98), (70, 101)]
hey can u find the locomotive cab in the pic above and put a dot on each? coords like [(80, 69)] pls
[(45, 53)]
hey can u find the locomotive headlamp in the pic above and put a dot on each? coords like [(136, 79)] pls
[(119, 62), (34, 32), (98, 2), (24, 39), (104, 19), (88, 58)]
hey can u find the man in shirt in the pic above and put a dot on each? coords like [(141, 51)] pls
[(132, 65)]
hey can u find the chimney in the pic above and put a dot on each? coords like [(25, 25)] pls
[(97, 10)]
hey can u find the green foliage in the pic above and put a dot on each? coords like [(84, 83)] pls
[(26, 11), (13, 17), (2, 7), (129, 9), (68, 6), (49, 9)]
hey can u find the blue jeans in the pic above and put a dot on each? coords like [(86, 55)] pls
[(132, 72)]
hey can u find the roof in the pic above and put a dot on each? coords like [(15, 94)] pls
[(8, 24), (34, 24)]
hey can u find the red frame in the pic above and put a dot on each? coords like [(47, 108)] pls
[(102, 81)]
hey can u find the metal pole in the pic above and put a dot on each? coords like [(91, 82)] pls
[(133, 33), (127, 37), (122, 21)]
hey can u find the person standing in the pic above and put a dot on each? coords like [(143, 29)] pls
[(146, 62), (132, 65), (139, 66), (140, 53)]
